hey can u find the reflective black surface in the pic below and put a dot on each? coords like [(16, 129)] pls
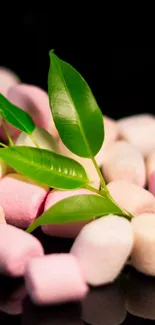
[(130, 299)]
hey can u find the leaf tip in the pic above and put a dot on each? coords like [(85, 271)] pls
[(51, 52)]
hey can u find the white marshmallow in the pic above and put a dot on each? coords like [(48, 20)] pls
[(143, 254), (102, 248), (123, 161), (150, 169), (85, 162), (139, 130), (131, 197), (111, 133), (41, 136), (150, 163)]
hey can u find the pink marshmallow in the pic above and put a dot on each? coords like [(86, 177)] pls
[(151, 183), (55, 278), (67, 229), (21, 199), (35, 102), (2, 215), (7, 79), (16, 249)]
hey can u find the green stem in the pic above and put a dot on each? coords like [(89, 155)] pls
[(34, 141), (106, 194), (3, 145), (7, 135), (92, 189), (125, 213), (103, 184)]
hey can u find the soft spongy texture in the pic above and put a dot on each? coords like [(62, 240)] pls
[(102, 248), (143, 255)]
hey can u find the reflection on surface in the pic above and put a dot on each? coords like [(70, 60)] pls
[(54, 244), (105, 305), (12, 294), (140, 295), (67, 314)]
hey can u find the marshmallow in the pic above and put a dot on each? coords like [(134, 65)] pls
[(2, 215), (55, 278), (143, 254), (140, 295), (21, 199), (35, 102), (68, 229), (85, 162), (150, 169), (123, 161), (111, 131), (16, 248), (131, 197), (102, 248), (139, 130), (41, 136), (106, 304), (7, 79)]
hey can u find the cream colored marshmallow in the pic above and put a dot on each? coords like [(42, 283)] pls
[(123, 161), (131, 197), (138, 130), (102, 248), (143, 254)]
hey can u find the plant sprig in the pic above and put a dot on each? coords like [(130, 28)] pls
[(79, 122)]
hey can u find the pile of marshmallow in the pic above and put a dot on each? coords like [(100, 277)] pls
[(102, 247)]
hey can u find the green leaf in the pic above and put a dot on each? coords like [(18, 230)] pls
[(16, 116), (76, 208), (75, 111), (45, 167)]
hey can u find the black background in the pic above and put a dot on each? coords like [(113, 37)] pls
[(122, 79)]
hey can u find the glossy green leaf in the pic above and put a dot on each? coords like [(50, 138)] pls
[(76, 208), (45, 167), (75, 111), (16, 116)]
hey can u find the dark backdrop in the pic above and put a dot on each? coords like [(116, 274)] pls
[(122, 79)]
